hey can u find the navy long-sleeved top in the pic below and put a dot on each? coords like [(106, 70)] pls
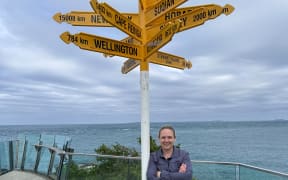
[(169, 167)]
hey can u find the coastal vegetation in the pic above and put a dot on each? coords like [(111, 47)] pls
[(109, 168)]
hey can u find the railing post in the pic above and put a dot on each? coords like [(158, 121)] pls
[(128, 173), (16, 154), (0, 159), (11, 156), (38, 149), (70, 150), (52, 157), (24, 154), (237, 172)]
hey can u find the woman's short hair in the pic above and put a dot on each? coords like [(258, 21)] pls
[(167, 127)]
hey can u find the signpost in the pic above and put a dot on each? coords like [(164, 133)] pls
[(160, 58), (86, 18), (103, 45), (150, 29), (213, 11), (188, 20)]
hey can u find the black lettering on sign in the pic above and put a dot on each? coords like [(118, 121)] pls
[(161, 56), (212, 12), (120, 21), (153, 44), (83, 41), (72, 38), (101, 9), (171, 30), (183, 21), (225, 10), (97, 19), (67, 17), (164, 4), (199, 16), (82, 19), (168, 61), (109, 14), (115, 47), (174, 14), (134, 30)]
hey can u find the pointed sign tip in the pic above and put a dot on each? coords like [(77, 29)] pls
[(188, 64), (65, 37), (57, 16), (228, 9)]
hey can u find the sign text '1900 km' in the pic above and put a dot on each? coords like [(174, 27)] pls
[(103, 45)]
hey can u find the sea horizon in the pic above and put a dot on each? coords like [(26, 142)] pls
[(158, 122)]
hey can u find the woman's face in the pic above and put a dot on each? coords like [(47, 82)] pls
[(166, 139)]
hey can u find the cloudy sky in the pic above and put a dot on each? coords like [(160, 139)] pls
[(240, 68)]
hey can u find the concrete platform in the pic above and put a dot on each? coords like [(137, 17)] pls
[(22, 175)]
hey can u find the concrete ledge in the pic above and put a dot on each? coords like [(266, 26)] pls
[(23, 175)]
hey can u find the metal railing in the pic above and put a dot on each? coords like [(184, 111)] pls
[(63, 164)]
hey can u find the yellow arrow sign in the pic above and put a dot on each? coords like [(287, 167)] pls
[(196, 17), (170, 60), (82, 18), (118, 20), (129, 65), (213, 11), (190, 19), (160, 8), (103, 45), (162, 38), (160, 58)]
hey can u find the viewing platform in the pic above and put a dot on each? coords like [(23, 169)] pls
[(51, 157), (23, 175)]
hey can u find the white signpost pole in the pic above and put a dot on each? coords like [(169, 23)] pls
[(145, 108), (145, 122)]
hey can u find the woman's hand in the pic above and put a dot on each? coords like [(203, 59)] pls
[(182, 168)]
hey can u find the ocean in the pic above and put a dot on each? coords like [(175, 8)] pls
[(261, 143)]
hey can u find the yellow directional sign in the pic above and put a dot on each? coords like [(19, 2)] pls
[(189, 20), (160, 58), (213, 11), (162, 38), (118, 20), (192, 18), (80, 18), (103, 45), (160, 8), (129, 65), (170, 60)]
